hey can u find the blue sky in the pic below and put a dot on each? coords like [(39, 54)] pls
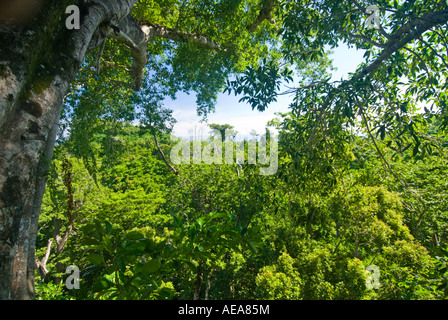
[(240, 115)]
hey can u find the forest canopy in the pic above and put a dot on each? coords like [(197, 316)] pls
[(360, 162)]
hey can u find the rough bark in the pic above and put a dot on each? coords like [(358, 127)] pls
[(36, 67), (39, 57), (198, 284)]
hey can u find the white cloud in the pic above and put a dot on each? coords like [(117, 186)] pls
[(240, 115), (189, 125)]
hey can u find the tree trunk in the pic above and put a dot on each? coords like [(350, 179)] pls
[(198, 284), (38, 60), (209, 285)]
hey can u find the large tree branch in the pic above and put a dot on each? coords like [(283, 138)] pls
[(60, 241), (130, 33), (158, 31), (42, 265), (406, 34), (398, 41), (137, 36), (265, 14)]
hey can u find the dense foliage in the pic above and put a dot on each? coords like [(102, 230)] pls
[(361, 162), (142, 232)]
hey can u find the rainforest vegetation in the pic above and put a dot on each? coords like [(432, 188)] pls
[(137, 230), (88, 178)]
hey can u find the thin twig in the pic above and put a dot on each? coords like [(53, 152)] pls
[(163, 156)]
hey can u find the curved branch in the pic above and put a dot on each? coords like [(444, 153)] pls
[(157, 31), (398, 42), (163, 156), (265, 14), (136, 36), (130, 33), (42, 265)]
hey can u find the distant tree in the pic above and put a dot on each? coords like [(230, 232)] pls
[(197, 46), (44, 56), (222, 128)]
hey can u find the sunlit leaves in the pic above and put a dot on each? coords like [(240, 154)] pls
[(260, 86)]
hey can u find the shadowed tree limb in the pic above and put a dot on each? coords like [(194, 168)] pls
[(265, 14)]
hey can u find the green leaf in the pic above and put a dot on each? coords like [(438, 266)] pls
[(200, 222), (253, 246), (151, 266), (96, 259), (193, 267), (98, 247), (101, 285), (217, 215), (90, 242), (108, 227), (134, 235)]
